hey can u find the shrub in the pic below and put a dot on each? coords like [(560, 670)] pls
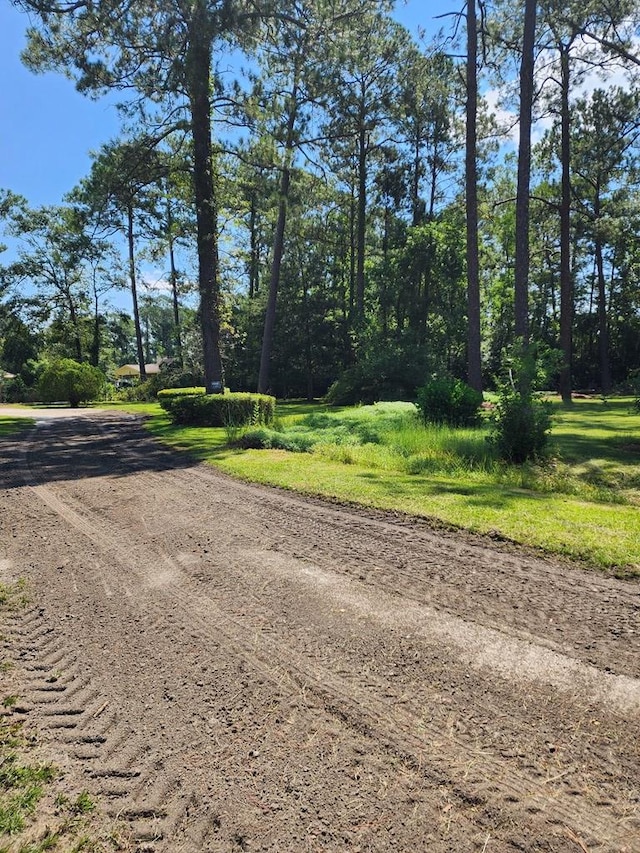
[(171, 393), (220, 410), (16, 391), (66, 379), (633, 386), (521, 422), (387, 376), (148, 390), (268, 439), (449, 401), (521, 426)]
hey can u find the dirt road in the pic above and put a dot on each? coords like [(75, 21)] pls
[(232, 668)]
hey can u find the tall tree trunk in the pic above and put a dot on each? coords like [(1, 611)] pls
[(308, 338), (147, 337), (416, 206), (521, 305), (384, 307), (73, 316), (173, 276), (95, 344), (352, 252), (433, 178), (254, 259), (134, 293), (566, 282), (603, 324), (204, 179), (474, 361), (601, 301), (361, 226), (278, 244)]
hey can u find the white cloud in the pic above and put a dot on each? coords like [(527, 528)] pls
[(155, 282)]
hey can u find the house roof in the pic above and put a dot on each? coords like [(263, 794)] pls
[(134, 370)]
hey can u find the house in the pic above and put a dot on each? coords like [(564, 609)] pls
[(128, 374)]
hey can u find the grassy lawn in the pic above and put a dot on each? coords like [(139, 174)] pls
[(583, 503), (13, 424)]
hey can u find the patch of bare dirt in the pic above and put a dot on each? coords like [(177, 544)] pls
[(227, 667)]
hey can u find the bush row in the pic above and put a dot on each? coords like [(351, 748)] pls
[(171, 393), (219, 410)]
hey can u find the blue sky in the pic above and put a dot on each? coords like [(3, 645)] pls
[(48, 129)]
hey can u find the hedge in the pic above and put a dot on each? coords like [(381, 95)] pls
[(220, 410), (170, 393)]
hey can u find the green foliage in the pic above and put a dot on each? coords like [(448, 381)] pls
[(389, 436), (521, 423), (14, 390), (633, 380), (528, 368), (148, 390), (66, 379), (171, 393), (269, 439), (449, 401), (521, 426), (222, 410), (386, 375)]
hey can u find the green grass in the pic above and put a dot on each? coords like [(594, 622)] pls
[(10, 425), (21, 787), (13, 595), (22, 782), (28, 794), (583, 503)]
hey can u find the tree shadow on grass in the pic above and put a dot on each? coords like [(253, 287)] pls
[(623, 448), (478, 494)]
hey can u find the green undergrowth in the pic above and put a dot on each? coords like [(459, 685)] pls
[(582, 502)]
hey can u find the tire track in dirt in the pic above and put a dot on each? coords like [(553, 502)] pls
[(72, 709), (515, 652), (346, 698), (74, 712), (400, 729), (310, 531)]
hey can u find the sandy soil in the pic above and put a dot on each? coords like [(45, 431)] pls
[(232, 668)]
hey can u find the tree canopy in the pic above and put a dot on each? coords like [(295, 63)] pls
[(317, 209)]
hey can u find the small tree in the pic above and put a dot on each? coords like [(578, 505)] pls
[(66, 379), (522, 420)]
